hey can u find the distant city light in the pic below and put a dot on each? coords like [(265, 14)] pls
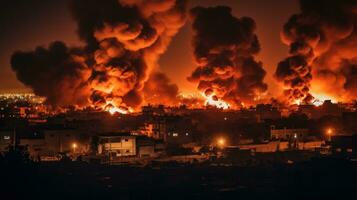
[(221, 142), (329, 131)]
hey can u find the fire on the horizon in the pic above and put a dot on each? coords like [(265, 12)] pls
[(112, 109), (212, 100), (123, 42), (322, 40), (117, 68)]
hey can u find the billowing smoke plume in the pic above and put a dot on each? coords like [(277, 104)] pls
[(159, 90), (224, 50), (55, 70), (323, 42), (124, 39)]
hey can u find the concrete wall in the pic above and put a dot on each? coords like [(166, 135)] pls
[(120, 145), (66, 140), (286, 134), (282, 146)]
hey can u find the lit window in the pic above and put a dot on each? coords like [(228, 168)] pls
[(186, 134), (175, 134), (6, 137), (349, 150)]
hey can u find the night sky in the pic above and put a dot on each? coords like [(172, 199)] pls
[(26, 24)]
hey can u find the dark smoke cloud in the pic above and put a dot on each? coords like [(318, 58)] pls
[(159, 90), (124, 39), (59, 73), (323, 42), (225, 49)]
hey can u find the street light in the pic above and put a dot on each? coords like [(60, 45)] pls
[(221, 142), (74, 146), (329, 133)]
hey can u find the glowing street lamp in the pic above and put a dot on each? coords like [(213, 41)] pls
[(329, 132), (74, 146), (221, 142)]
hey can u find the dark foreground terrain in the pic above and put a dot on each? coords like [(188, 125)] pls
[(315, 179)]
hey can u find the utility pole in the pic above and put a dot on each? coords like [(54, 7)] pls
[(14, 137)]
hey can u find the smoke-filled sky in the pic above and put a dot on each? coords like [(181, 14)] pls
[(28, 24)]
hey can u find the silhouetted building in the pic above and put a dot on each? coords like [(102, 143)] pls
[(179, 130), (6, 139), (267, 111), (287, 133), (344, 145)]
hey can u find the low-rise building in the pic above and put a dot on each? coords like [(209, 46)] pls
[(53, 142), (344, 145), (179, 130), (36, 147), (267, 111), (288, 133), (64, 141), (145, 147), (6, 139), (117, 144), (275, 146)]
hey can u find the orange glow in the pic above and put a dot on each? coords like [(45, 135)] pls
[(216, 102), (320, 98), (297, 101), (329, 131), (221, 142), (112, 109), (317, 102)]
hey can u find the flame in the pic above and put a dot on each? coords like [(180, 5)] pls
[(320, 98), (317, 102), (216, 102), (297, 101), (112, 109)]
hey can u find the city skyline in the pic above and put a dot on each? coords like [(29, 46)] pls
[(178, 99)]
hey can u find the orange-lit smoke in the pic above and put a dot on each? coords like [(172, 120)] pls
[(224, 50), (323, 42), (124, 39)]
